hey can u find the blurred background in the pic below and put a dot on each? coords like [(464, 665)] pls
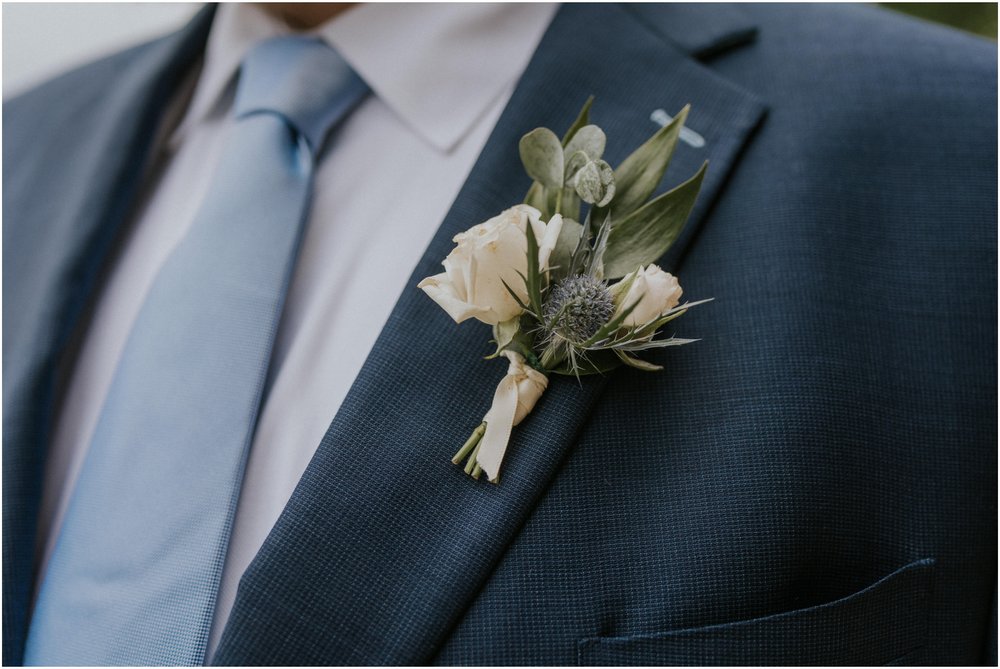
[(41, 40), (974, 17)]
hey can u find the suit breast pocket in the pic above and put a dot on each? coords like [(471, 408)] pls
[(884, 623)]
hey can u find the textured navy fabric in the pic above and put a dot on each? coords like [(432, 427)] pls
[(813, 482), (789, 638)]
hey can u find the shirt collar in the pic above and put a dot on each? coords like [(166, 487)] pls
[(439, 67)]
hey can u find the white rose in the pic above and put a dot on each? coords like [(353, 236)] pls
[(659, 290), (486, 255)]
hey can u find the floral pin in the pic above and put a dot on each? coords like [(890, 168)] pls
[(564, 297)]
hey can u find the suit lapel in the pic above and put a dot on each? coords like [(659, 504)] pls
[(59, 227), (384, 543)]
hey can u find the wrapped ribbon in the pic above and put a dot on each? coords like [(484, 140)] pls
[(514, 399)]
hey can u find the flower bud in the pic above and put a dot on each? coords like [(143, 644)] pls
[(659, 292)]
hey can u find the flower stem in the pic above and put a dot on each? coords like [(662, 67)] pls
[(470, 443), (471, 464)]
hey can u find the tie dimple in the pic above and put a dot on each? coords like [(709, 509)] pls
[(300, 79)]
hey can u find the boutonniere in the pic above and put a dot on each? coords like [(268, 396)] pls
[(566, 297)]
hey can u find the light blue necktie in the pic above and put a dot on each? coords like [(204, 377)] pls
[(135, 572)]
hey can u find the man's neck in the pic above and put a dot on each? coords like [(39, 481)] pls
[(306, 15)]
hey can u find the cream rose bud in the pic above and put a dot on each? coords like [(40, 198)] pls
[(486, 255), (659, 290)]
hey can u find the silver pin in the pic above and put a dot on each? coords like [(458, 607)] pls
[(688, 136)]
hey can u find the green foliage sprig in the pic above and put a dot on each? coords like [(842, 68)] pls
[(587, 297), (624, 230)]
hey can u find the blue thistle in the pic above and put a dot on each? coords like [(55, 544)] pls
[(577, 307)]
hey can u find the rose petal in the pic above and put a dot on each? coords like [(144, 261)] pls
[(548, 239), (442, 291)]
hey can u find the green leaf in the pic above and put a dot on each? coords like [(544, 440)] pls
[(641, 173), (570, 205), (513, 294), (595, 264), (611, 326), (595, 183), (574, 163), (534, 279), (582, 248), (619, 291), (637, 363), (536, 197), (542, 155), (644, 235), (562, 254), (512, 336), (656, 343), (504, 333), (590, 140), (582, 119), (650, 328)]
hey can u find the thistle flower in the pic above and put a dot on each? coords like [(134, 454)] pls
[(577, 307)]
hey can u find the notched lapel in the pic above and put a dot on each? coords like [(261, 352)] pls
[(384, 543)]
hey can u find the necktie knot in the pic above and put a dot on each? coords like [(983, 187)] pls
[(301, 79)]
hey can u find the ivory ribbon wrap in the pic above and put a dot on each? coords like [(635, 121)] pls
[(514, 399)]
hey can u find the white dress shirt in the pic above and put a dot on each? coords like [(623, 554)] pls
[(440, 75)]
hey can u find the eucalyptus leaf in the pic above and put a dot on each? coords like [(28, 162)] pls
[(542, 155), (644, 235), (641, 173), (587, 183), (590, 140), (595, 183), (574, 163), (608, 181), (582, 119)]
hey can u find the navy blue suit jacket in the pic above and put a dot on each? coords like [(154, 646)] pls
[(813, 482)]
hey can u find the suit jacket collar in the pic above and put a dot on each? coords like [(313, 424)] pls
[(384, 544), (697, 29)]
